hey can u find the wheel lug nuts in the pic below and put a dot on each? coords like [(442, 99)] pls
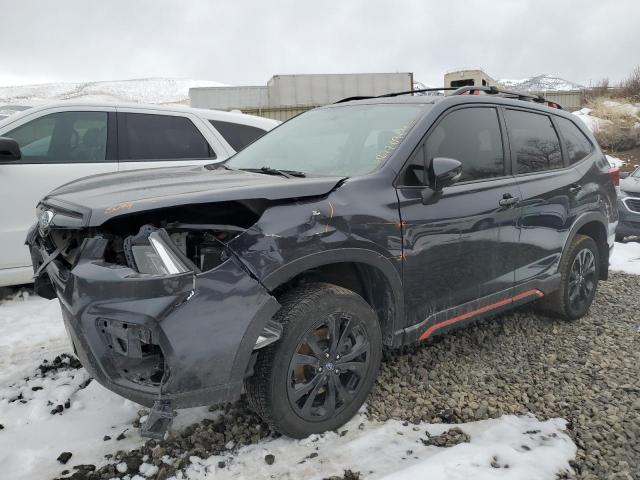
[(326, 355), (337, 371), (319, 369), (337, 357)]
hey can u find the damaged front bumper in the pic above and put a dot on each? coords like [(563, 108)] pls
[(185, 338)]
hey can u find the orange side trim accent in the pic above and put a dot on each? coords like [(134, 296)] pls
[(480, 310)]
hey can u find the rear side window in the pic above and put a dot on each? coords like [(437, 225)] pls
[(534, 142), (471, 136), (578, 145), (237, 135), (64, 137), (160, 137)]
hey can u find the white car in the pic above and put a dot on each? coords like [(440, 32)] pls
[(65, 141)]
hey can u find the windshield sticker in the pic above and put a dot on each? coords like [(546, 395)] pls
[(393, 142)]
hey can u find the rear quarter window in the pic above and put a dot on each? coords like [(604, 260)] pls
[(237, 135), (577, 143)]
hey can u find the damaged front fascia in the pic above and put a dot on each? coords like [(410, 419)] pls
[(177, 316)]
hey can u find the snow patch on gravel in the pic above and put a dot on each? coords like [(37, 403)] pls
[(509, 447), (626, 257)]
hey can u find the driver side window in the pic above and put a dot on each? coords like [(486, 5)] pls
[(64, 137), (471, 136)]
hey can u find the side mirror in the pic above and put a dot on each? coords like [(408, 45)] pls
[(624, 175), (9, 149), (443, 172)]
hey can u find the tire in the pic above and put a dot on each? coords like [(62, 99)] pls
[(312, 393), (573, 299)]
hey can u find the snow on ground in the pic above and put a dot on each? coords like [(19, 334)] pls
[(32, 330), (144, 90), (615, 162), (33, 335), (592, 122), (509, 447), (626, 257), (33, 384), (33, 437)]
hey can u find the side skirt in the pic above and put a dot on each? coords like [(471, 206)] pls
[(445, 320)]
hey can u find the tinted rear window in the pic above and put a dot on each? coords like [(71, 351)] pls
[(534, 142), (236, 134), (160, 137), (578, 145)]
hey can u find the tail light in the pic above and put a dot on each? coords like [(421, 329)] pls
[(614, 175)]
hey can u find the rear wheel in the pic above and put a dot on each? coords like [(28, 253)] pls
[(316, 377), (580, 271)]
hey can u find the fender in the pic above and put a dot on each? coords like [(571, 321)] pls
[(351, 255), (580, 222)]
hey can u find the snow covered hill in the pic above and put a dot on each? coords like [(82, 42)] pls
[(540, 83), (143, 90)]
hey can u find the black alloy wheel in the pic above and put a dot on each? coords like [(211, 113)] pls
[(319, 373), (582, 280), (328, 366)]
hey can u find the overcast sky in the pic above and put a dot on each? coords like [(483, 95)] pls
[(246, 42)]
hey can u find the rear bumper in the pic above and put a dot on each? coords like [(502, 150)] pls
[(186, 338)]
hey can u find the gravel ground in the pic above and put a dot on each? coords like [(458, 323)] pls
[(587, 372)]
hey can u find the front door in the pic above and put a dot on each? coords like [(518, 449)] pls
[(460, 247), (56, 148)]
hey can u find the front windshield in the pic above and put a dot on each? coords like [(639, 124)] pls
[(337, 141)]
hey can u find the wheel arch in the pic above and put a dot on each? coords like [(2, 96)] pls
[(368, 273), (594, 225)]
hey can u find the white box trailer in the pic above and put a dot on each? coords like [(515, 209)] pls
[(298, 90), (285, 96)]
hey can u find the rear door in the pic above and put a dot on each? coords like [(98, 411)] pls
[(152, 139), (58, 145), (459, 248), (548, 190)]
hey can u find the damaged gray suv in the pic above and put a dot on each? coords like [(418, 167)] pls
[(282, 272)]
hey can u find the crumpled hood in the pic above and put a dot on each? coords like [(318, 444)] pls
[(630, 184), (102, 197)]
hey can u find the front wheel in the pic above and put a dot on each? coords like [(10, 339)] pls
[(316, 377), (580, 271)]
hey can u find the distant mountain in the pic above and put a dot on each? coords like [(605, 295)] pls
[(419, 86), (540, 83), (144, 90)]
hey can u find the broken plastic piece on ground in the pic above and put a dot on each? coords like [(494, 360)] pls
[(159, 420)]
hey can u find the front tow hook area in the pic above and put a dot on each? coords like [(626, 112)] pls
[(159, 420)]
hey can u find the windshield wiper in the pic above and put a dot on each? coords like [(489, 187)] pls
[(275, 171)]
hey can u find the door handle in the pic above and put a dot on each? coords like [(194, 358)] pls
[(508, 200), (575, 188)]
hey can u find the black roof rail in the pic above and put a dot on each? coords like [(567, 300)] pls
[(395, 94), (468, 90), (493, 90)]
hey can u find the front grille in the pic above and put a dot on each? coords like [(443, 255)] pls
[(633, 204)]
